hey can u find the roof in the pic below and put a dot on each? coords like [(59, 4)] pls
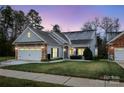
[(119, 35), (46, 36), (80, 35), (51, 38), (80, 41), (63, 36), (60, 38), (111, 35)]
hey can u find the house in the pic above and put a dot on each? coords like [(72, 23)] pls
[(34, 44), (111, 35), (80, 40), (116, 47)]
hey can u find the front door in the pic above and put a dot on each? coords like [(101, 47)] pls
[(66, 52)]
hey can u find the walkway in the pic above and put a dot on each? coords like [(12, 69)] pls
[(65, 80), (121, 64), (18, 62)]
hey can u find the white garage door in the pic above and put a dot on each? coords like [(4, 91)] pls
[(29, 54), (119, 54)]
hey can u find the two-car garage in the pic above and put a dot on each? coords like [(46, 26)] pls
[(29, 53)]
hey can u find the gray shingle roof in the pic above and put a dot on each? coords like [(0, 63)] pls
[(79, 35), (80, 41), (63, 36), (50, 38), (46, 36)]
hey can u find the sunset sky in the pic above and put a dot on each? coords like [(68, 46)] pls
[(72, 18)]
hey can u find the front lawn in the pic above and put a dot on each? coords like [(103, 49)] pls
[(13, 82), (95, 70), (5, 58)]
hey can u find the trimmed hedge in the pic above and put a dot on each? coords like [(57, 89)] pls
[(75, 57), (88, 54)]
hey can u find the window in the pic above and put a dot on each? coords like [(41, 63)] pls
[(80, 51), (71, 51), (29, 34), (54, 52)]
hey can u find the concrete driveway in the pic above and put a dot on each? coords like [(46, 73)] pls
[(16, 62), (121, 64)]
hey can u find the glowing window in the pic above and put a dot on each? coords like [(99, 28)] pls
[(29, 34), (80, 51), (71, 51), (54, 52)]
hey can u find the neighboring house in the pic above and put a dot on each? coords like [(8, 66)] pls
[(34, 44), (116, 48), (111, 35)]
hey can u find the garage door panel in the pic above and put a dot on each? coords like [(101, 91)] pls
[(29, 54), (119, 54)]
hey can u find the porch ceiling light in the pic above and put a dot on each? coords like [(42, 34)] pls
[(16, 48), (112, 47), (64, 50), (74, 49), (42, 47)]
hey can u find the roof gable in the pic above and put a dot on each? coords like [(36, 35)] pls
[(115, 38), (46, 36), (23, 37)]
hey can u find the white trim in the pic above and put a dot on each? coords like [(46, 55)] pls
[(115, 38), (19, 36), (32, 32), (59, 37), (36, 34), (80, 45), (68, 39), (54, 38)]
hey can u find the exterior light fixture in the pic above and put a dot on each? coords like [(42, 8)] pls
[(64, 49), (16, 48), (42, 47), (74, 49), (112, 47)]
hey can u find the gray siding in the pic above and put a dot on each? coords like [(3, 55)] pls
[(24, 37), (60, 50), (93, 44)]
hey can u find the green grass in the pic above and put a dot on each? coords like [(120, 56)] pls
[(95, 70), (5, 58), (13, 82)]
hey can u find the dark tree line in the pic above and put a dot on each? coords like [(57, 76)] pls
[(107, 24), (12, 23)]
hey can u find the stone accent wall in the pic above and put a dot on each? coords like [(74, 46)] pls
[(44, 52)]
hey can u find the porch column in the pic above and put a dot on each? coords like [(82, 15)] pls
[(63, 51), (68, 52)]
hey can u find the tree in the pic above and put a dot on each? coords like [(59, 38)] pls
[(19, 24), (34, 19), (110, 25), (91, 25), (6, 20), (11, 25), (56, 28), (88, 54)]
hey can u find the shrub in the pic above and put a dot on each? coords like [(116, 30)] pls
[(75, 57), (88, 54)]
